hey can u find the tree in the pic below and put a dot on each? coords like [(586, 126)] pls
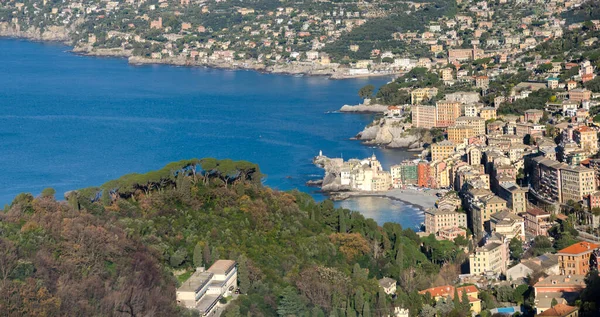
[(504, 293), (366, 92), (516, 248), (554, 302), (48, 193), (243, 274), (197, 257), (290, 303), (427, 311)]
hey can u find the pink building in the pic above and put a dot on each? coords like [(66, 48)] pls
[(537, 221)]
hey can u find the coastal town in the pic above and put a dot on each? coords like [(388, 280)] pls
[(497, 102), (507, 165), (338, 39)]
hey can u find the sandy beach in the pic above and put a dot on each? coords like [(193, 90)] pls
[(419, 198)]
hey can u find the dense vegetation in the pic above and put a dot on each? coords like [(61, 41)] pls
[(113, 250), (378, 33)]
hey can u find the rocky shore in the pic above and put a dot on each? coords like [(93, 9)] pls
[(364, 108), (392, 134), (63, 34)]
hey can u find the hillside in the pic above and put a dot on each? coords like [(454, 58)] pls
[(113, 250)]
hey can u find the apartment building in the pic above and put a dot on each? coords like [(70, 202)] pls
[(458, 135), (507, 224), (575, 259), (545, 179), (447, 112), (580, 94), (476, 123), (487, 113), (537, 221), (587, 138), (423, 116), (488, 259), (515, 196), (421, 94), (442, 150), (437, 219), (533, 115), (576, 182), (404, 174)]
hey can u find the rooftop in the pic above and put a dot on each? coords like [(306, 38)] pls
[(562, 280), (579, 248), (559, 310), (221, 267), (195, 282)]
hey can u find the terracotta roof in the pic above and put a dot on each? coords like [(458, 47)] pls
[(579, 247), (448, 290), (559, 310), (536, 212)]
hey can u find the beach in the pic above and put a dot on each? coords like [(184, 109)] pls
[(423, 199)]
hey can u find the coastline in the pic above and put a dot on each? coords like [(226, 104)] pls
[(419, 198), (292, 69)]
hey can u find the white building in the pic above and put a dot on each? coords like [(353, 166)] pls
[(203, 289)]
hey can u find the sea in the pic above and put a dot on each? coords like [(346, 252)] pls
[(69, 121)]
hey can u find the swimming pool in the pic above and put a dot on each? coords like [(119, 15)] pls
[(506, 310)]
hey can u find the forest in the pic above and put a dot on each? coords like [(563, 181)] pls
[(121, 249)]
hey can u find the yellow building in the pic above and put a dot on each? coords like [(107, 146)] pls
[(447, 112), (458, 134), (491, 258), (476, 123), (441, 150), (587, 139), (443, 292), (420, 94), (488, 113), (576, 182), (474, 155), (446, 74)]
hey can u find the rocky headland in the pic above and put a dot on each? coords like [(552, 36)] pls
[(393, 133), (364, 108)]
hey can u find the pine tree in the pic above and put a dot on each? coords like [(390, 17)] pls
[(465, 304), (456, 299), (382, 308), (366, 311), (350, 312), (198, 255), (342, 222), (206, 254), (243, 274)]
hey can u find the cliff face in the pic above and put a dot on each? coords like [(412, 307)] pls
[(390, 134), (50, 33)]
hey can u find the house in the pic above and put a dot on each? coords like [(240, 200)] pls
[(560, 310), (559, 286), (443, 292), (537, 221), (575, 259), (203, 289), (388, 285), (547, 264)]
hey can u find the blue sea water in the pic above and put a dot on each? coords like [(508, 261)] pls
[(69, 121)]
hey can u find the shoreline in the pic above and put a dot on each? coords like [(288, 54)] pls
[(420, 199), (141, 61)]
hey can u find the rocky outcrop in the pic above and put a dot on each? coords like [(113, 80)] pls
[(364, 108), (390, 133), (54, 33), (95, 51), (332, 180)]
